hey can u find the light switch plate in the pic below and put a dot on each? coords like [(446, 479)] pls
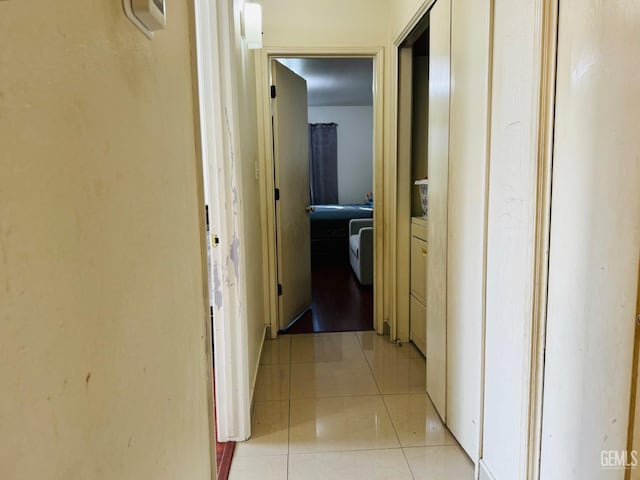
[(147, 15), (152, 13)]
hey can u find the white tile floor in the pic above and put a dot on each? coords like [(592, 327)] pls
[(345, 406)]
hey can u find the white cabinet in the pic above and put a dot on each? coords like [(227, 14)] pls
[(418, 310)]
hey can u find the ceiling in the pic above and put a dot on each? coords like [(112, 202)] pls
[(335, 81)]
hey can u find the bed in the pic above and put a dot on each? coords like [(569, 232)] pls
[(330, 231)]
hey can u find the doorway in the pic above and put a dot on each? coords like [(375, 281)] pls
[(340, 195), (344, 103)]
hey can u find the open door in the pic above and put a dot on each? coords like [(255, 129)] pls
[(291, 158)]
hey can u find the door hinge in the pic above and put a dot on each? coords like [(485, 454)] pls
[(277, 194), (273, 91), (206, 214), (279, 289)]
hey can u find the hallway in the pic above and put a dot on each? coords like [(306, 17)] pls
[(345, 406)]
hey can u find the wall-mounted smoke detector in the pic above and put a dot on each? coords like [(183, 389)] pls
[(147, 15)]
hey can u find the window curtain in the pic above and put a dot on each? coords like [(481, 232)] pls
[(323, 163)]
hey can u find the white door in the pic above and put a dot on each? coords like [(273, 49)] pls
[(439, 75), (594, 243), (291, 151)]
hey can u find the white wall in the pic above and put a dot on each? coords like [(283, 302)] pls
[(104, 373), (355, 148)]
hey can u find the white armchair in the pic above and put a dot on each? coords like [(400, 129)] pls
[(361, 249)]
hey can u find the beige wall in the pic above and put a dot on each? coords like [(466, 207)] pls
[(312, 23), (401, 12), (102, 325)]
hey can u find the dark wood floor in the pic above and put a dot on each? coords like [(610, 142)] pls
[(339, 303)]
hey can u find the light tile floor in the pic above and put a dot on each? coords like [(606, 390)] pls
[(345, 406)]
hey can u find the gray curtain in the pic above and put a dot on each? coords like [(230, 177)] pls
[(323, 163)]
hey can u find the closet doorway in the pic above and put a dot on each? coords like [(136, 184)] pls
[(442, 132)]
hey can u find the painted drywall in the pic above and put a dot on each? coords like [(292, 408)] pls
[(336, 23), (355, 149), (102, 325), (245, 80), (595, 241), (401, 12), (468, 138), (510, 235)]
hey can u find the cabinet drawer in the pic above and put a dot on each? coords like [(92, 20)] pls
[(419, 268), (418, 317)]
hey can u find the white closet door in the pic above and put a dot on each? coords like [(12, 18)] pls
[(595, 239), (466, 230), (439, 87)]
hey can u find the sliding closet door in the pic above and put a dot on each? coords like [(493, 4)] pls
[(439, 86), (595, 239), (470, 21)]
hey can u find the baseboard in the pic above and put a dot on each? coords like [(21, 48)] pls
[(485, 471)]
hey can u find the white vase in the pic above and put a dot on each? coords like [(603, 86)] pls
[(423, 186)]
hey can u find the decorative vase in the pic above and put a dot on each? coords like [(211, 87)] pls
[(423, 185)]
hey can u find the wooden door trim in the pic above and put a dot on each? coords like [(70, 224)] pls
[(546, 126), (216, 102), (392, 186)]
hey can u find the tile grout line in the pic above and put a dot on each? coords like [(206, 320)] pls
[(395, 430), (358, 450), (393, 425), (402, 448), (375, 379)]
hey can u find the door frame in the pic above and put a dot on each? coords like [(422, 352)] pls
[(548, 55), (393, 183), (267, 166), (216, 118)]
